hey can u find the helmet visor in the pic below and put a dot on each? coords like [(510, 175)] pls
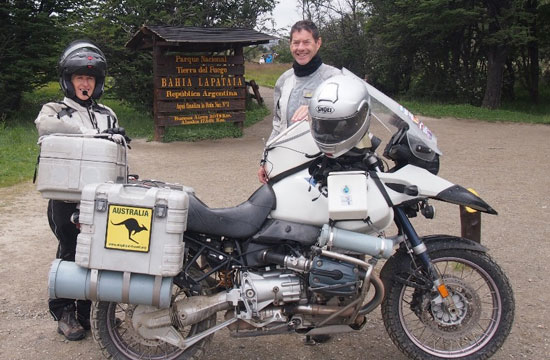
[(334, 131)]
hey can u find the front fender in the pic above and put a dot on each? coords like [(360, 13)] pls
[(421, 183), (400, 262), (458, 195)]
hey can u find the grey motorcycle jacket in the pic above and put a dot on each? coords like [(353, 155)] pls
[(292, 91), (69, 117)]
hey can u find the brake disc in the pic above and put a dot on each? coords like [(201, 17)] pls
[(467, 316)]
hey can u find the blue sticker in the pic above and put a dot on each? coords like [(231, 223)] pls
[(311, 180)]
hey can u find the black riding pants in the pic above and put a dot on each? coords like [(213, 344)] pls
[(59, 217)]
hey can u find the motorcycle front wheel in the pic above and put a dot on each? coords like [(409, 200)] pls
[(113, 330), (423, 329)]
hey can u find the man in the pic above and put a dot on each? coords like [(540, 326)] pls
[(295, 87), (82, 69)]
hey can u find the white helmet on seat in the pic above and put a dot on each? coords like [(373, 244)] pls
[(339, 114)]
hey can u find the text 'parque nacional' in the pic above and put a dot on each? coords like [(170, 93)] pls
[(200, 59)]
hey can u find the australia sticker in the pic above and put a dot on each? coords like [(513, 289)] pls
[(128, 228)]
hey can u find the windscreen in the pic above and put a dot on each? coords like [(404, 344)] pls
[(393, 116)]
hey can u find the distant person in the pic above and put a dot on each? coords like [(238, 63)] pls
[(82, 69), (262, 60), (295, 86)]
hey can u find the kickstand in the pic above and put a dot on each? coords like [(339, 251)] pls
[(309, 341)]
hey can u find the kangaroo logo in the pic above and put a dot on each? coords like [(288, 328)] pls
[(132, 226)]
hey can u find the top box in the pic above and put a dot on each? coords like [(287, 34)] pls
[(68, 163)]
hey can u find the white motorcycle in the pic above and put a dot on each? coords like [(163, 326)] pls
[(298, 256)]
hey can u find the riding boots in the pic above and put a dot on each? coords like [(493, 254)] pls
[(69, 326)]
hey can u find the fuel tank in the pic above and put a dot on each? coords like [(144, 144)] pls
[(300, 200)]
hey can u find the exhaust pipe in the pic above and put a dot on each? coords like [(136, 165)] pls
[(198, 308), (323, 310), (68, 280), (161, 324)]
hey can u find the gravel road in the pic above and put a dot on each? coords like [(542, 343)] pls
[(506, 163)]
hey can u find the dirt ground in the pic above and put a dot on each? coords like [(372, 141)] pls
[(506, 163)]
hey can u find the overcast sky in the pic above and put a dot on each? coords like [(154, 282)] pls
[(285, 13)]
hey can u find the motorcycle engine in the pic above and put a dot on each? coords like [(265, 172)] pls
[(262, 289), (326, 276), (334, 278)]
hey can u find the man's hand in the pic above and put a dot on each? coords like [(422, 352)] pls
[(300, 114), (262, 175)]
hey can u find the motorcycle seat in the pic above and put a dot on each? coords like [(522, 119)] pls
[(241, 221)]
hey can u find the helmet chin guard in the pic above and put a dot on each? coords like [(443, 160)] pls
[(84, 58), (340, 114)]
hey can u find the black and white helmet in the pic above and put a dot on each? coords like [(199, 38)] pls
[(83, 58), (339, 114)]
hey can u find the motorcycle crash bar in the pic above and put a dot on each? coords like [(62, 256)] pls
[(68, 280), (354, 241)]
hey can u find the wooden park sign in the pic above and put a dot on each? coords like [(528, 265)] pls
[(199, 89), (198, 73)]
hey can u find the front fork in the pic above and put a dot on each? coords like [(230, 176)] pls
[(421, 252)]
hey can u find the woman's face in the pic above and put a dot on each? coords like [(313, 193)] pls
[(81, 84)]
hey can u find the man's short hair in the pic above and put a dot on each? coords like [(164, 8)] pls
[(307, 25)]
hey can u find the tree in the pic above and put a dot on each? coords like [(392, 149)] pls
[(499, 16), (429, 48), (342, 28), (345, 42), (543, 38), (30, 42), (456, 50), (116, 22), (283, 50), (529, 54)]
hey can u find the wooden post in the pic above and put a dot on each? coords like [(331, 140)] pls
[(159, 133), (159, 130), (256, 90), (238, 51), (470, 224)]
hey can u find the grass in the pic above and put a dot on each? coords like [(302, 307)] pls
[(519, 112), (265, 74), (18, 151), (137, 122), (18, 147), (18, 136)]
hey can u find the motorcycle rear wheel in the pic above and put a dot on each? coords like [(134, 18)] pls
[(484, 317), (113, 330)]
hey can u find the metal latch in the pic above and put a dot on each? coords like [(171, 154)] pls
[(101, 205), (161, 210)]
